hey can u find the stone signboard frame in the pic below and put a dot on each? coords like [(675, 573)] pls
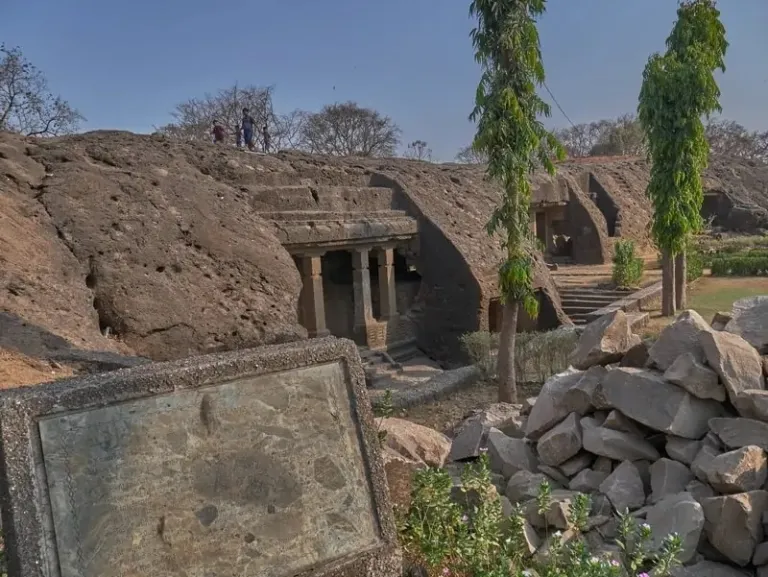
[(24, 498)]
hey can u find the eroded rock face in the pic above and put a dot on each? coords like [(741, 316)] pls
[(604, 341), (647, 398), (734, 524), (736, 362), (680, 337), (749, 320)]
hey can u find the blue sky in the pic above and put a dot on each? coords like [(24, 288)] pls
[(125, 64)]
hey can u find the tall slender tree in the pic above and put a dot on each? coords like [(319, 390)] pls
[(514, 141), (679, 89)]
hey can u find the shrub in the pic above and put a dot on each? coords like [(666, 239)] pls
[(538, 355), (740, 265), (627, 267), (467, 535), (695, 266)]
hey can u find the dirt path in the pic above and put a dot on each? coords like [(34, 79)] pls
[(17, 370)]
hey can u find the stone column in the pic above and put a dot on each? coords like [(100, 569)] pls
[(312, 301), (361, 283), (387, 294)]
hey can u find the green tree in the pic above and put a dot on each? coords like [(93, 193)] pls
[(679, 88), (514, 141)]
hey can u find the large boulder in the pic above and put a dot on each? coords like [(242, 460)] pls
[(738, 471), (561, 443), (470, 436), (648, 399), (749, 319), (605, 340), (508, 456), (586, 394), (416, 442), (736, 362), (551, 405), (734, 524), (624, 487), (678, 513), (617, 445), (740, 432), (694, 377), (682, 336), (668, 477)]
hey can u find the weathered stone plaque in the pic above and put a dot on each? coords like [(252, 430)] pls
[(225, 465)]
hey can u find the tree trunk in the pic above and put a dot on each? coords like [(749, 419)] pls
[(681, 271), (505, 367), (667, 284)]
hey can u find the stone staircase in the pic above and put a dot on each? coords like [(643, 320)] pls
[(403, 366), (579, 301)]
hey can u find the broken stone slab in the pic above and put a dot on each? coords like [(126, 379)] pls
[(682, 336), (561, 442), (733, 524), (735, 361), (708, 569), (749, 320), (738, 471), (761, 554), (701, 463), (524, 486), (618, 421), (720, 320), (576, 464), (752, 404), (682, 450), (736, 433), (468, 442), (668, 477), (694, 377), (603, 464), (550, 407), (605, 340), (700, 490), (624, 487), (508, 456), (415, 442), (617, 445), (554, 474), (587, 481), (647, 398), (636, 357), (556, 516), (677, 513), (586, 394)]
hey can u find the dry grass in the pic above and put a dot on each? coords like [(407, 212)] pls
[(17, 370), (710, 295)]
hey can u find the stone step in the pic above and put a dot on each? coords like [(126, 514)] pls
[(404, 351), (572, 310), (587, 299), (321, 215)]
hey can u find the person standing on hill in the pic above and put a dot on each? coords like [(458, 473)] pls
[(267, 138), (218, 132), (248, 124)]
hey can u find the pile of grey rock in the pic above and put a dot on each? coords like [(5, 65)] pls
[(675, 431)]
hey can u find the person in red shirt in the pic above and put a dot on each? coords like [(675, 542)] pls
[(218, 132)]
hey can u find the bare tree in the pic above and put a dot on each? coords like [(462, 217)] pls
[(617, 137), (194, 118), (287, 131), (580, 139), (731, 138), (419, 150), (26, 103), (469, 155), (346, 129)]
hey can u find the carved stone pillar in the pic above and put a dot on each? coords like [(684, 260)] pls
[(312, 301), (361, 283), (387, 291)]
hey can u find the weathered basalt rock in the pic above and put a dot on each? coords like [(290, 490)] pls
[(749, 320), (681, 337), (733, 524), (508, 455), (617, 444), (736, 362), (738, 433), (561, 442), (624, 487), (604, 341), (738, 471), (694, 377), (668, 477), (678, 513), (551, 405)]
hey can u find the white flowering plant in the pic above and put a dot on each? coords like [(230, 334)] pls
[(445, 534)]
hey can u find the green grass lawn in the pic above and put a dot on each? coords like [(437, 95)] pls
[(709, 295)]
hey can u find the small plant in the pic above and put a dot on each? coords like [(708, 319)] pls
[(695, 265), (627, 267), (446, 536), (382, 410)]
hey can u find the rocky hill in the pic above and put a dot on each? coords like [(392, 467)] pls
[(139, 245)]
